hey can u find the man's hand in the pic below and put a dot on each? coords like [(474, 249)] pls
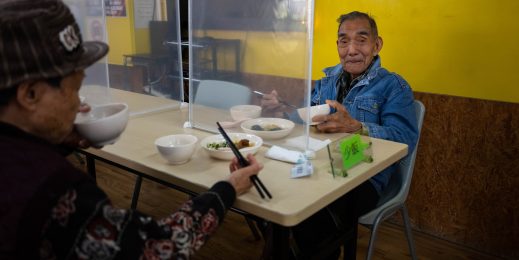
[(240, 177), (338, 122), (270, 101), (271, 105)]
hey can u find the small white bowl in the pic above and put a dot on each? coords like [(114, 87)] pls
[(103, 124), (176, 149), (314, 111), (262, 127), (242, 112), (226, 153)]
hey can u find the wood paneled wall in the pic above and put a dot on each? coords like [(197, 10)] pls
[(466, 178)]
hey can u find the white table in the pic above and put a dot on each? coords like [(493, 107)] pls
[(293, 199)]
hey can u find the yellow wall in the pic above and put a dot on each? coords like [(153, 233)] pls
[(464, 48), (268, 53), (124, 38), (119, 38), (120, 31), (142, 40)]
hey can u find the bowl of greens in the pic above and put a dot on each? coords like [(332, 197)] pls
[(217, 147)]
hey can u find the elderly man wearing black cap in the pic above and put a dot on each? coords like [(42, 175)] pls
[(48, 208)]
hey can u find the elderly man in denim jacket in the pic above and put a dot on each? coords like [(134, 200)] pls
[(365, 98), (379, 104)]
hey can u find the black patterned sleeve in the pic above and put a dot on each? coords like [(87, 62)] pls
[(84, 224)]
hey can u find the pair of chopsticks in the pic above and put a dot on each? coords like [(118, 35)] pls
[(244, 163)]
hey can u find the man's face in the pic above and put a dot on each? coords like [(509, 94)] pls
[(58, 107), (357, 46)]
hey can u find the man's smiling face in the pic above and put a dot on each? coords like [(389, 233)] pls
[(357, 46)]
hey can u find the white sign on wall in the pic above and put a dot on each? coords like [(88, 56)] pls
[(144, 11)]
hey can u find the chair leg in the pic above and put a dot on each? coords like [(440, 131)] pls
[(372, 237), (408, 232), (373, 234)]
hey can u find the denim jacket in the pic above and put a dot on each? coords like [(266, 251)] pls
[(382, 101)]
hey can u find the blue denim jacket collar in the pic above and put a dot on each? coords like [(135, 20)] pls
[(333, 73)]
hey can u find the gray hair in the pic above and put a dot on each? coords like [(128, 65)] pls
[(359, 15)]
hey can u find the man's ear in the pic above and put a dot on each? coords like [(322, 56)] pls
[(29, 93), (378, 45)]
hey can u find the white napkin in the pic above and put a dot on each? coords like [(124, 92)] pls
[(282, 154), (313, 144)]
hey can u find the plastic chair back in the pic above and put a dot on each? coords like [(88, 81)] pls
[(222, 94), (400, 181)]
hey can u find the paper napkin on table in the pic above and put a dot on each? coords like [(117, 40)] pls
[(282, 154), (313, 144)]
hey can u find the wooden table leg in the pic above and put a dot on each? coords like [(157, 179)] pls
[(91, 166)]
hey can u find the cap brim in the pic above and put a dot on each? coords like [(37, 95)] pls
[(93, 51)]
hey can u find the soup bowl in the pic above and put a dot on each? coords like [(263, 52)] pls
[(242, 112), (314, 111), (177, 148), (103, 124)]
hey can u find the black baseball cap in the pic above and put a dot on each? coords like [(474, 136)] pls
[(40, 39)]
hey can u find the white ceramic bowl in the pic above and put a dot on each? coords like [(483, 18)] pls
[(176, 149), (314, 111), (226, 153), (263, 127), (103, 124), (242, 112)]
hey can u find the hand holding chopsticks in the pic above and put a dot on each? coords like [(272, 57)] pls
[(240, 177), (272, 99), (244, 163)]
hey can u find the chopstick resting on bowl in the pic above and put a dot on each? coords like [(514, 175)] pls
[(243, 163)]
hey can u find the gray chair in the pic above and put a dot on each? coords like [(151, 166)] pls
[(221, 94), (395, 195)]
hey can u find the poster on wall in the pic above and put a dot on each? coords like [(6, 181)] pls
[(115, 8)]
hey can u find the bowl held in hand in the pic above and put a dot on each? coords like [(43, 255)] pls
[(103, 124)]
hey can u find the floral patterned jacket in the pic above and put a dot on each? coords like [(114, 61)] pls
[(51, 210)]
